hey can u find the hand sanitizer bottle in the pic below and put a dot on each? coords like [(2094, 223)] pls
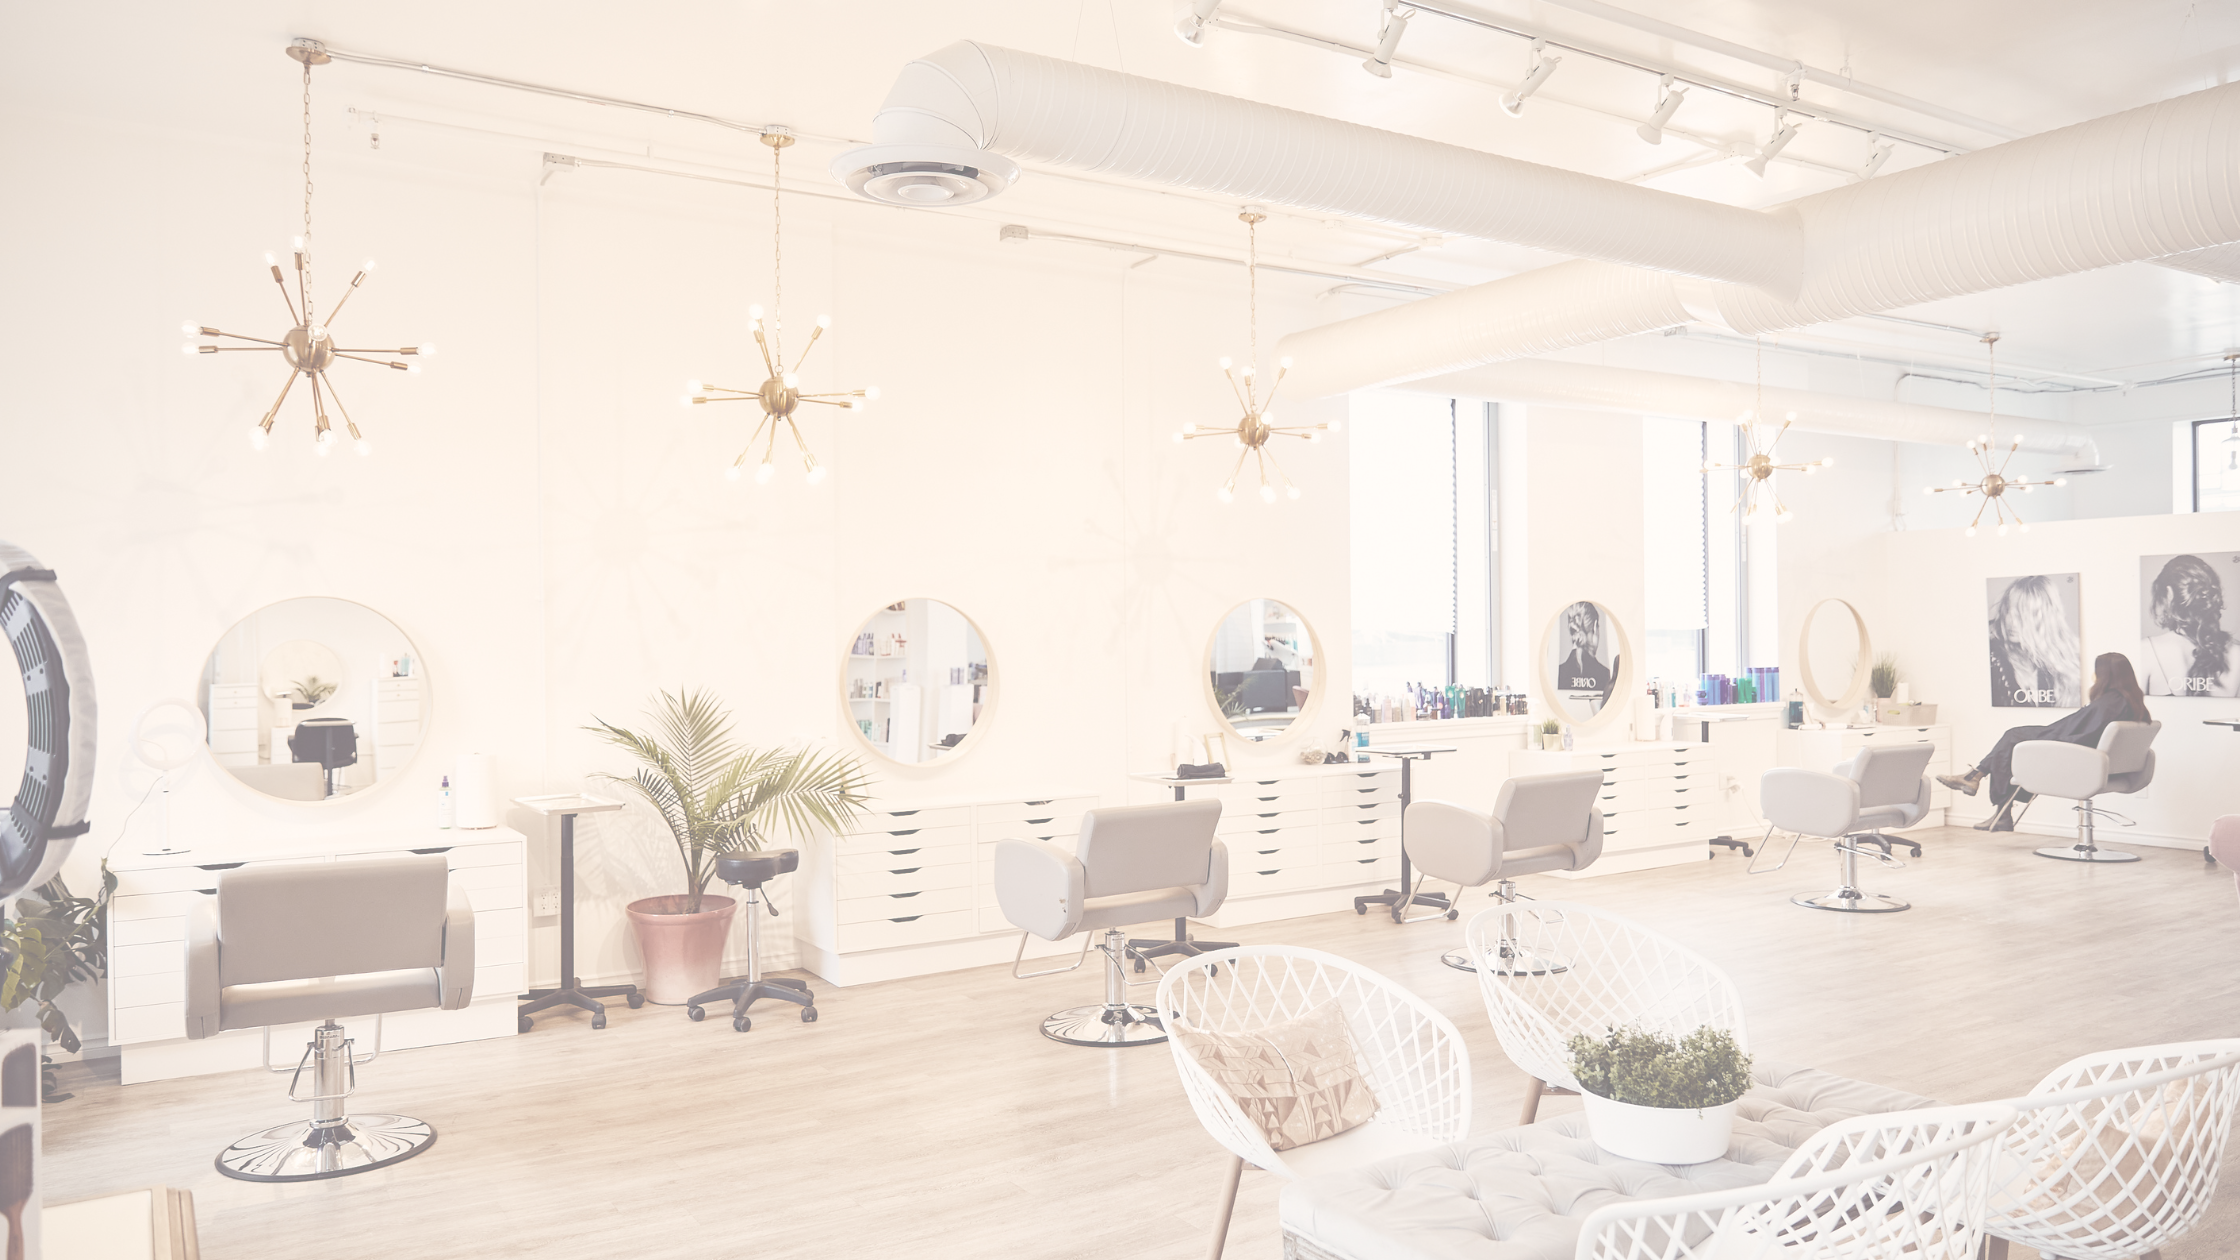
[(444, 814)]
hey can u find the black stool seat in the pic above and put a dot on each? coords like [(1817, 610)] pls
[(753, 870)]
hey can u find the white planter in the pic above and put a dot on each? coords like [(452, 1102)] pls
[(1659, 1135)]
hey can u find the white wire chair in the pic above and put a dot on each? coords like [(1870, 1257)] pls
[(1905, 1185), (1602, 972), (2116, 1153), (1413, 1057)]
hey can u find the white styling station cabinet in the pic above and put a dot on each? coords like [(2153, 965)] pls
[(148, 949)]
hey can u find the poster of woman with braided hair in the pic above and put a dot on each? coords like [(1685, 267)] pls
[(2189, 631), (2037, 659)]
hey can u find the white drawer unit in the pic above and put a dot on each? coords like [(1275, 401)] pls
[(233, 724), (148, 933), (1655, 800), (400, 718), (1823, 750)]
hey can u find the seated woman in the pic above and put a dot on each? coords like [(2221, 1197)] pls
[(2114, 697)]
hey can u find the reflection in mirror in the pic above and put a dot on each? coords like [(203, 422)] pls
[(916, 680), (1261, 667), (1584, 658), (315, 698), (15, 733)]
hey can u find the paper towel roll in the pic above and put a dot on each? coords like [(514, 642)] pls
[(474, 790)]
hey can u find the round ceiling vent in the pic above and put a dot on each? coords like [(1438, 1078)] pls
[(924, 175)]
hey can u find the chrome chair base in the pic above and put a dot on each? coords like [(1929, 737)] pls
[(306, 1150), (1514, 962), (1130, 1025), (2082, 853), (1852, 901)]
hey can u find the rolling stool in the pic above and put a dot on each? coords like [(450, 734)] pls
[(749, 872)]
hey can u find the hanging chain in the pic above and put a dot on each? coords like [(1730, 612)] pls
[(1252, 285), (777, 259), (307, 320), (1991, 343)]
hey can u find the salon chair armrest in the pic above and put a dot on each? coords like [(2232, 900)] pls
[(2053, 768), (1040, 889), (203, 984), (455, 975), (1453, 844), (1216, 888), (1590, 850)]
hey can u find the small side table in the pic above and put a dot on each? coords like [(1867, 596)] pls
[(1182, 943), (571, 991), (1401, 900)]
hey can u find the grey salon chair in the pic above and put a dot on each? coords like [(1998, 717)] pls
[(293, 943), (1816, 803), (1539, 823), (1893, 791), (2123, 762), (1132, 864)]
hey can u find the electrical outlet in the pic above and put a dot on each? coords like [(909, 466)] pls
[(548, 902)]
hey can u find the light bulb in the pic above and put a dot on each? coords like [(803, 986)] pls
[(855, 404), (256, 437), (1827, 461), (1291, 492), (412, 369), (362, 447), (1224, 363), (321, 446), (1928, 489), (2002, 530), (2029, 489), (1958, 484), (1226, 494), (427, 348), (190, 328), (1791, 417), (692, 387), (1284, 363), (1178, 439), (1784, 516), (189, 349), (1983, 439), (731, 473), (295, 242), (370, 264), (871, 393), (1971, 531), (1810, 469), (1267, 493), (269, 260), (2022, 529), (754, 313), (1332, 426), (1247, 372), (824, 321), (318, 332), (1745, 417), (816, 474), (764, 472), (1268, 418), (792, 380), (1314, 437), (1190, 428), (2061, 481)]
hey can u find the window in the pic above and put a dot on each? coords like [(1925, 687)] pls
[(2216, 465), (1423, 512), (1709, 595)]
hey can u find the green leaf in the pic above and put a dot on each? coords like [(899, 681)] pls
[(1651, 1069)]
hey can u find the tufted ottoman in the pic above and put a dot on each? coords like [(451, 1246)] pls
[(1522, 1194)]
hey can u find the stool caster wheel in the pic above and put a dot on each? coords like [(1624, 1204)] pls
[(1139, 966), (1213, 969), (1452, 915), (740, 1023), (695, 1013), (599, 1020), (637, 1000), (1361, 910), (527, 1023), (808, 1014)]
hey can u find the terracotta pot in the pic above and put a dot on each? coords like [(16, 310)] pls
[(683, 953)]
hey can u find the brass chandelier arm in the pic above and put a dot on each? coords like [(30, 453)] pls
[(336, 313), (274, 410), (352, 425), (1239, 390), (814, 333), (219, 349), (359, 358), (240, 337), (822, 402), (280, 280), (767, 364)]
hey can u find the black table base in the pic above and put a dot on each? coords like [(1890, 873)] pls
[(572, 991)]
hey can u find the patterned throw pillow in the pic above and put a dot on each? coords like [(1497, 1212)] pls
[(1300, 1080)]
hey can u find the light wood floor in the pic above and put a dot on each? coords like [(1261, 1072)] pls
[(929, 1118)]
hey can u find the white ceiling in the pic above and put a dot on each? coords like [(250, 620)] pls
[(823, 67)]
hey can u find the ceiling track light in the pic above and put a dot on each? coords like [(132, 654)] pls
[(1388, 39), (1877, 154), (1992, 481), (1251, 433), (1783, 132), (1192, 18), (1542, 66), (1755, 494), (780, 393), (308, 348), (1669, 100)]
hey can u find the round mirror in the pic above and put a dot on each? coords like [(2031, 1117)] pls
[(917, 681), (314, 699), (1260, 669), (1585, 662), (1835, 659)]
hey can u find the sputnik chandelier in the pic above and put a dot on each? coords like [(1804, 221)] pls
[(1756, 494), (1258, 424), (1993, 482), (309, 347), (780, 394)]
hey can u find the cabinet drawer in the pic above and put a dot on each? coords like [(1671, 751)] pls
[(123, 910), (163, 880), (397, 711), (148, 990), (143, 960), (164, 1022), (1351, 791), (891, 818), (1241, 822), (497, 945), (464, 856), (499, 979), (1249, 881), (234, 704), (900, 837), (893, 905), (150, 931), (916, 857), (1351, 829), (907, 880), (507, 896), (1355, 811), (1370, 870), (914, 929), (1362, 847), (491, 926), (1008, 813), (1250, 798), (1039, 827), (1381, 776), (477, 879)]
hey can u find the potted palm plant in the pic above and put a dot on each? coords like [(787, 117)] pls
[(1653, 1098), (717, 797)]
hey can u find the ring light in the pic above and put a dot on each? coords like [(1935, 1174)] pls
[(49, 810)]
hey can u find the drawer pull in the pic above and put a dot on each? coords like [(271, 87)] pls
[(218, 866), (1036, 822), (1267, 852), (1277, 871), (903, 896), (444, 848), (908, 918), (1269, 831), (908, 832), (207, 892), (1366, 822), (907, 870), (900, 813), (901, 852), (1038, 802)]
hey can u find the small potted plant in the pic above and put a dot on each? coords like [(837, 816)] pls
[(717, 797), (1652, 1098), (1551, 735)]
